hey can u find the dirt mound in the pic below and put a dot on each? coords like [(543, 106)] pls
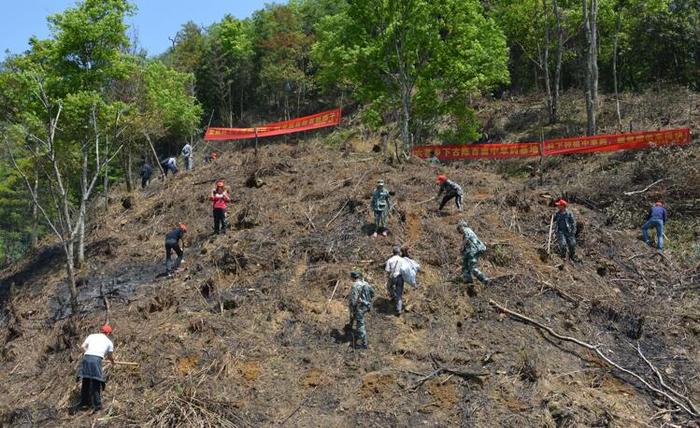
[(251, 331)]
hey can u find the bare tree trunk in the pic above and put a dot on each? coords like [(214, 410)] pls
[(554, 117), (70, 270), (34, 238), (617, 94), (81, 239), (105, 178), (544, 58), (594, 60), (155, 155), (127, 168), (591, 71), (80, 261), (405, 119)]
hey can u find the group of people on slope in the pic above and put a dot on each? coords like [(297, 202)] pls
[(398, 266), (169, 164), (400, 269), (220, 198), (381, 202)]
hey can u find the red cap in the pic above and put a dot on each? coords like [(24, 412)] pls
[(106, 329), (441, 178), (561, 203), (659, 203), (182, 226), (220, 183)]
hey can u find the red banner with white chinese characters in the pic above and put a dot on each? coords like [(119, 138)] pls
[(559, 146), (306, 123)]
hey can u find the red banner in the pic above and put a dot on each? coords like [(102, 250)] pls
[(306, 123), (559, 146)]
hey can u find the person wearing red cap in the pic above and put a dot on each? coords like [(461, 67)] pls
[(96, 347), (451, 190), (565, 229), (656, 219), (220, 198), (172, 241)]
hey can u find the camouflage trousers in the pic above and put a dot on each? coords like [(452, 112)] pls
[(469, 268), (380, 219), (567, 241), (359, 318)]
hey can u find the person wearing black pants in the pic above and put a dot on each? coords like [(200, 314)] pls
[(220, 198), (96, 347), (219, 221), (172, 240), (452, 190), (395, 282), (146, 172)]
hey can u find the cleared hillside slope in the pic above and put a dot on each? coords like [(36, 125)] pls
[(247, 336)]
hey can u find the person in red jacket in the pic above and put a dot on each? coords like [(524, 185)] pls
[(220, 197)]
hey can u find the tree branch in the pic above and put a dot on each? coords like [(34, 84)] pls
[(597, 350), (661, 380)]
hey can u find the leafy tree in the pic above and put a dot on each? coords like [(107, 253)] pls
[(282, 50), (416, 53), (70, 101)]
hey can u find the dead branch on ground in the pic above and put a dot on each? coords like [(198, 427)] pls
[(107, 306), (283, 421), (559, 292), (440, 369), (661, 380), (644, 189), (600, 353), (308, 217), (352, 193), (331, 298)]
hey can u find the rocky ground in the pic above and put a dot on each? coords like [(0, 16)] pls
[(251, 332)]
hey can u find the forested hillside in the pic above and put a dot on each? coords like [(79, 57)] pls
[(250, 331)]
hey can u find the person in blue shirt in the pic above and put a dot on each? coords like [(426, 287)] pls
[(657, 219), (565, 229)]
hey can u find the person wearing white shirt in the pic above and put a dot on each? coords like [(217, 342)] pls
[(393, 268), (187, 154), (96, 347)]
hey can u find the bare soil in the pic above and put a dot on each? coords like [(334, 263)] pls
[(247, 333)]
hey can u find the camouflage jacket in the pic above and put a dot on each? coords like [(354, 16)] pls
[(361, 295), (472, 243), (565, 222), (380, 199)]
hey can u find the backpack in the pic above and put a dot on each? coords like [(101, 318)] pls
[(409, 269)]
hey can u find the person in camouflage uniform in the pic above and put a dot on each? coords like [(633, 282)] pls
[(380, 206), (472, 249), (565, 226), (359, 303), (451, 190)]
